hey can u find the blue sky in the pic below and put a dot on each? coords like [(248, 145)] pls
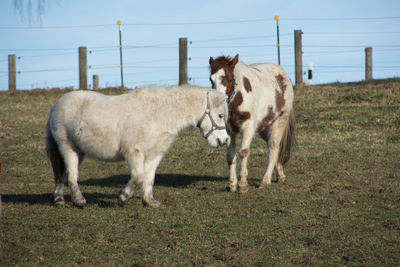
[(335, 34)]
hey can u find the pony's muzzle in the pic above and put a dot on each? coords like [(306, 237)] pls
[(222, 141)]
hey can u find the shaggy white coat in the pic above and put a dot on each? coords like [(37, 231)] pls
[(138, 127)]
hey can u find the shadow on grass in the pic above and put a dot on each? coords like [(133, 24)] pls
[(27, 198), (167, 180), (101, 199)]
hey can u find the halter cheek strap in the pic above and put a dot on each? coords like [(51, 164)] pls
[(206, 113)]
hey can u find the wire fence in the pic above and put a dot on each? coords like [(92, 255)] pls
[(331, 52)]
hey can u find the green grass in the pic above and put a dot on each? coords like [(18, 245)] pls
[(340, 204)]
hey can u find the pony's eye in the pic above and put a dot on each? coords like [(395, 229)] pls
[(221, 115)]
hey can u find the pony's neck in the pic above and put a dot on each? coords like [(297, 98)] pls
[(191, 107), (239, 70)]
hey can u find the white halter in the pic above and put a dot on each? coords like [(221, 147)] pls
[(214, 126)]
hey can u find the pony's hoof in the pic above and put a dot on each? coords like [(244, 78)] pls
[(230, 188), (152, 203), (122, 200), (243, 189), (81, 203), (281, 180), (58, 201), (263, 185), (122, 203)]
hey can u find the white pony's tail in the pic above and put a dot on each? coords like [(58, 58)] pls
[(54, 155), (288, 139)]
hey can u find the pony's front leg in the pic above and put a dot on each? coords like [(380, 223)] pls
[(148, 198), (127, 191), (135, 160), (231, 159), (244, 153)]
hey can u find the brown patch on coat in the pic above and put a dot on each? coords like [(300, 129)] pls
[(267, 121), (247, 84), (228, 65), (244, 153), (280, 94), (236, 117)]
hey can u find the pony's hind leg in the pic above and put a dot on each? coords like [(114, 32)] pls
[(265, 134), (58, 194), (58, 166), (72, 160), (231, 159), (273, 137), (279, 171)]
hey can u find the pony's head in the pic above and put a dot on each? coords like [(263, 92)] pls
[(221, 76), (212, 123)]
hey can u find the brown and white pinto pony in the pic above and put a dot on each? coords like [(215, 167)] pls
[(260, 98)]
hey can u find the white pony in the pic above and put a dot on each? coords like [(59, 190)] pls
[(137, 127), (260, 100)]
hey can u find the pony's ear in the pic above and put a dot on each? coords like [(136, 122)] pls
[(211, 60), (235, 60)]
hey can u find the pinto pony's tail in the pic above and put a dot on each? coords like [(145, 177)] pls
[(288, 140), (57, 162)]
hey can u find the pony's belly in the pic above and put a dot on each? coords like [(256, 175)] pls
[(102, 151), (108, 158)]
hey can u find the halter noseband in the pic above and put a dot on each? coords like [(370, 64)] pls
[(214, 126)]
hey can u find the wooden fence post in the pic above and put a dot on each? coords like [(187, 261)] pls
[(368, 63), (95, 82), (183, 74), (12, 79), (82, 68), (298, 57)]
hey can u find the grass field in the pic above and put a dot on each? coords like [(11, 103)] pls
[(340, 204)]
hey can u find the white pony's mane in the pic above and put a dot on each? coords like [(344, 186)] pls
[(166, 95)]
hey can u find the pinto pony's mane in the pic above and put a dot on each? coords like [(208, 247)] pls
[(228, 65)]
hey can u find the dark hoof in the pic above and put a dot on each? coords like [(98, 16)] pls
[(121, 202), (231, 189), (80, 204), (58, 201), (152, 203)]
